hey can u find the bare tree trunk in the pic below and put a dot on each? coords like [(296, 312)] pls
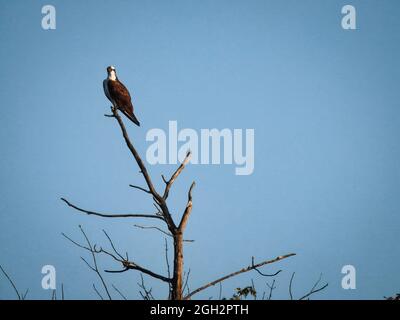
[(177, 279), (163, 214)]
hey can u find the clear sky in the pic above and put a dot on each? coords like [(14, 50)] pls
[(324, 104)]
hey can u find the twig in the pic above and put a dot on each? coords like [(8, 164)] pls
[(98, 293), (153, 227), (131, 265), (120, 293), (166, 258), (271, 288), (140, 188), (153, 216), (93, 252), (125, 263), (147, 293), (112, 245), (168, 269), (159, 229), (74, 242), (25, 294), (264, 274), (134, 266), (96, 269), (313, 289), (169, 183), (290, 286), (159, 211), (186, 285), (11, 282)]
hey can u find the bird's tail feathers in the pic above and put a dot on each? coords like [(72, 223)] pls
[(131, 117)]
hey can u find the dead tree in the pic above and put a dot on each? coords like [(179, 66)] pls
[(175, 230)]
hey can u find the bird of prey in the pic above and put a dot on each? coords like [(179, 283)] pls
[(119, 95)]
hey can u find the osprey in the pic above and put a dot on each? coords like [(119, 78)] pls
[(119, 95)]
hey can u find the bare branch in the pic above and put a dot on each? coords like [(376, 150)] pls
[(290, 286), (93, 251), (129, 264), (134, 266), (25, 294), (264, 274), (271, 288), (159, 211), (74, 242), (186, 284), (161, 230), (117, 271), (188, 209), (88, 264), (119, 292), (95, 269), (168, 267), (147, 293), (139, 188), (268, 275), (175, 175), (125, 263), (136, 155), (166, 258), (314, 288), (112, 245), (166, 216), (153, 216), (249, 268), (98, 293), (153, 227), (11, 282)]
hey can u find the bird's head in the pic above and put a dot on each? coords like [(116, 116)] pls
[(110, 68), (112, 74)]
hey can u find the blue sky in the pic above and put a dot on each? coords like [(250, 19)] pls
[(323, 103)]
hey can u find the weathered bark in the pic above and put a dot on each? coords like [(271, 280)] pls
[(177, 280)]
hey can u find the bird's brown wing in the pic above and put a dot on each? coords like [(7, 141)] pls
[(121, 96)]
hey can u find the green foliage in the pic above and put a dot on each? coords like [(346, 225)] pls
[(244, 292)]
